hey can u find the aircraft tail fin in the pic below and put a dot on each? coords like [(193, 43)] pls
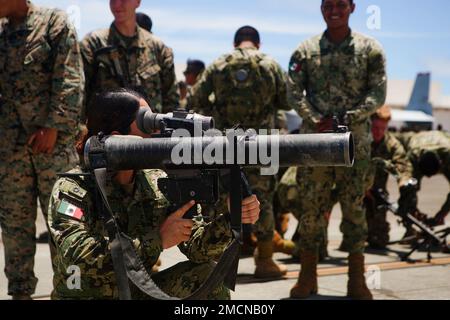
[(420, 98)]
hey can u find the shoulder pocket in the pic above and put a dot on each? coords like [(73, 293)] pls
[(38, 53), (73, 193), (149, 70)]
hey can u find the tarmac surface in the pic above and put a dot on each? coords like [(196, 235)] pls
[(388, 277)]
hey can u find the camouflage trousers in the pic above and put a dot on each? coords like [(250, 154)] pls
[(185, 278), (378, 226), (318, 188), (25, 178), (264, 188)]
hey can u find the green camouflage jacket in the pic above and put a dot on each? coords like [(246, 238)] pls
[(434, 141), (82, 241), (214, 84), (327, 80), (41, 77), (389, 156), (146, 63)]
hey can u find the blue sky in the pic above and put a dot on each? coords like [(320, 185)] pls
[(415, 34)]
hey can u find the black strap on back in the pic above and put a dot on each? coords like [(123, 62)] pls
[(127, 264)]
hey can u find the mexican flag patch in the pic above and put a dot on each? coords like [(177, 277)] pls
[(70, 210)]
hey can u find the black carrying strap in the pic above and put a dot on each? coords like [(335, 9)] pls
[(114, 236), (128, 265)]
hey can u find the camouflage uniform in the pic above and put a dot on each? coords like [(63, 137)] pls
[(82, 240), (146, 63), (388, 156), (215, 82), (337, 79), (433, 141), (41, 84)]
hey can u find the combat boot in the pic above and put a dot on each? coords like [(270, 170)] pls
[(307, 280), (265, 266), (282, 245), (155, 268), (357, 287)]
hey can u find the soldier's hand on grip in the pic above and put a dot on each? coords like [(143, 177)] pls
[(175, 229), (250, 209)]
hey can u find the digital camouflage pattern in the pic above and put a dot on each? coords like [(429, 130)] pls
[(347, 80), (338, 79), (388, 157), (248, 88), (252, 101), (431, 141), (146, 63), (41, 84), (84, 243)]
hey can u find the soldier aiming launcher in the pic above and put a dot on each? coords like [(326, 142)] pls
[(194, 173)]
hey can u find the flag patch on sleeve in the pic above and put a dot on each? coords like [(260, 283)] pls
[(295, 67), (68, 209)]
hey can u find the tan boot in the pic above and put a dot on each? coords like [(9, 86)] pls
[(265, 266), (357, 287), (282, 245), (307, 280), (155, 268)]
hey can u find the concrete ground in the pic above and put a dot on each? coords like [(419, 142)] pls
[(390, 278)]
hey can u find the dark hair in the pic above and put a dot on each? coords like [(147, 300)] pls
[(429, 164), (247, 33), (110, 111), (351, 2), (144, 21), (195, 66)]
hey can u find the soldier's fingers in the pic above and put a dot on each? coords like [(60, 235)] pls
[(249, 200), (182, 211), (187, 233), (250, 218), (251, 207), (188, 224)]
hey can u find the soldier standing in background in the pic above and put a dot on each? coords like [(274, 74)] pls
[(41, 84), (193, 72), (126, 55), (388, 156), (249, 88), (144, 21), (343, 74)]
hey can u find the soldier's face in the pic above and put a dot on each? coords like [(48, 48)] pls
[(337, 13), (190, 78), (124, 10), (379, 128), (134, 130)]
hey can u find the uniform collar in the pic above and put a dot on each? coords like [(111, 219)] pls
[(119, 39), (247, 48), (325, 43)]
